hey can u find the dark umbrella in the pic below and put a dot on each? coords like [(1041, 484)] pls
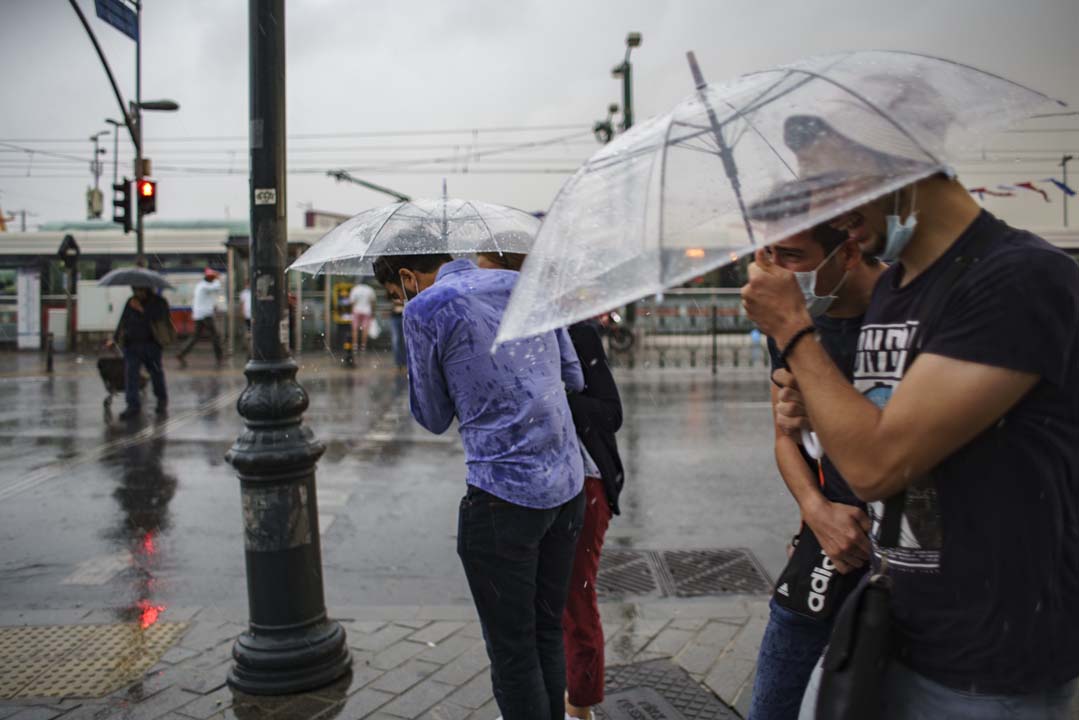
[(135, 277)]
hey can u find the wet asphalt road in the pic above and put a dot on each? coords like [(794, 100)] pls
[(102, 514)]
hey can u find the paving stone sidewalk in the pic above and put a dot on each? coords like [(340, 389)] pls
[(408, 662)]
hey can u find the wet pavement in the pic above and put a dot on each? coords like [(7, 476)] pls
[(101, 514)]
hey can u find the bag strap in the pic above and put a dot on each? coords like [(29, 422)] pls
[(928, 311)]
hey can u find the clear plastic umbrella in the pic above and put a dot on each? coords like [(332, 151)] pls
[(741, 164), (135, 277), (419, 227)]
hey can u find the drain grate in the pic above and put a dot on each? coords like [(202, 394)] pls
[(79, 660), (670, 682), (698, 573), (627, 572)]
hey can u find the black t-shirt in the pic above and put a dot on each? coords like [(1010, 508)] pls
[(839, 336), (986, 574)]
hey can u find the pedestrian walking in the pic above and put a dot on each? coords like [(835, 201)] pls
[(361, 300), (519, 521), (597, 416), (962, 433), (837, 281), (203, 307), (145, 328)]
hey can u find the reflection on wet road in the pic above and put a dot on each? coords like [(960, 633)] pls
[(141, 517)]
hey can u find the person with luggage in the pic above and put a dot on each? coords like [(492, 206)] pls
[(203, 307), (144, 330)]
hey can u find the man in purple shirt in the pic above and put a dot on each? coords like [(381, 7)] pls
[(519, 520)]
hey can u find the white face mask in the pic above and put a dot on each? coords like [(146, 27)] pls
[(899, 232), (816, 304), (416, 285)]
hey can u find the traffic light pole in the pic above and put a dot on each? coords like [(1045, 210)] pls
[(136, 111), (291, 645)]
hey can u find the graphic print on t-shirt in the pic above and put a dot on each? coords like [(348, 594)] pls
[(878, 368)]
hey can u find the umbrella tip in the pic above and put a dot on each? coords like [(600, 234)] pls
[(694, 68)]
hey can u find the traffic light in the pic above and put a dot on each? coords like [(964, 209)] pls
[(121, 204), (147, 192)]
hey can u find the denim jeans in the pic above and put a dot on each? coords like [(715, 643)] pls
[(397, 339), (146, 355), (518, 562), (910, 696), (791, 646)]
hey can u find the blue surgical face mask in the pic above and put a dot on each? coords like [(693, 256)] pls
[(899, 232), (816, 304)]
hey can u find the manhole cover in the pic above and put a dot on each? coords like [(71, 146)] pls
[(640, 704), (627, 572), (79, 660), (671, 683)]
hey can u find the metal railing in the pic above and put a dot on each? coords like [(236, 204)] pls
[(693, 328)]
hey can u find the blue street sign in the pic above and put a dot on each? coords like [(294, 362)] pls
[(119, 15)]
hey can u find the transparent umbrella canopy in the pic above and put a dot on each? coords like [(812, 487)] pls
[(419, 227), (135, 277), (740, 164)]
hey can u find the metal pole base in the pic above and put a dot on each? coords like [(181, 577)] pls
[(284, 663)]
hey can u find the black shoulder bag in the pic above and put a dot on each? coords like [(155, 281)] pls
[(861, 643)]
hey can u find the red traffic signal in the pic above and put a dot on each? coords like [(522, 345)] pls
[(147, 194)]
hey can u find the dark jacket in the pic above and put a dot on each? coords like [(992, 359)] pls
[(155, 312), (597, 410)]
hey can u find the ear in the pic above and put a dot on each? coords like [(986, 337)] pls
[(851, 253)]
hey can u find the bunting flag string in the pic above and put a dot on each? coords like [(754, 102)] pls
[(1013, 189)]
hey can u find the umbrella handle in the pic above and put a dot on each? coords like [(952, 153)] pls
[(812, 445)]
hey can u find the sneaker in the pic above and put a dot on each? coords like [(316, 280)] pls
[(130, 413)]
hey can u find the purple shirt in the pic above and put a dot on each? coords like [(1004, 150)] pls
[(518, 435)]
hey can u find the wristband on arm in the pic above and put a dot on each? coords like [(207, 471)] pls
[(789, 347)]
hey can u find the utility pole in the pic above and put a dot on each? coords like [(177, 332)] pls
[(1064, 195), (94, 200), (116, 125), (291, 645), (136, 110)]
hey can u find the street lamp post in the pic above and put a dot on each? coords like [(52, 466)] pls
[(625, 71), (291, 645), (1064, 169)]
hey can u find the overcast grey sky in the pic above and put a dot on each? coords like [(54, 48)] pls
[(362, 67)]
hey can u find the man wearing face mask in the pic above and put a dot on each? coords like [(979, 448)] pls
[(520, 518), (836, 281), (977, 441)]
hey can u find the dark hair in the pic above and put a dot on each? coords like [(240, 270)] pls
[(388, 267), (506, 261), (828, 237)]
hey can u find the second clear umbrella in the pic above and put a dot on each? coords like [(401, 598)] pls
[(419, 227)]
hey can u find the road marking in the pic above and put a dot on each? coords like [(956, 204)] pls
[(62, 468), (98, 570)]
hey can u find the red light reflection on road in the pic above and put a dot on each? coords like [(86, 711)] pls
[(148, 614)]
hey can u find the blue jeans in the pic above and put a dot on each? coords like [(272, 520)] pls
[(910, 696), (791, 646), (518, 562), (146, 355), (397, 339)]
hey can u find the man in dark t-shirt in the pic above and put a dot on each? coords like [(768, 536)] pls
[(837, 280), (981, 431)]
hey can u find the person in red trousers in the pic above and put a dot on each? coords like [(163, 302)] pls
[(597, 415)]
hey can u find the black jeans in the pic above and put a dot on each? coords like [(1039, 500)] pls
[(518, 563), (148, 355), (208, 325)]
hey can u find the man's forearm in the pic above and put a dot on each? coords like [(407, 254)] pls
[(845, 421), (796, 476)]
